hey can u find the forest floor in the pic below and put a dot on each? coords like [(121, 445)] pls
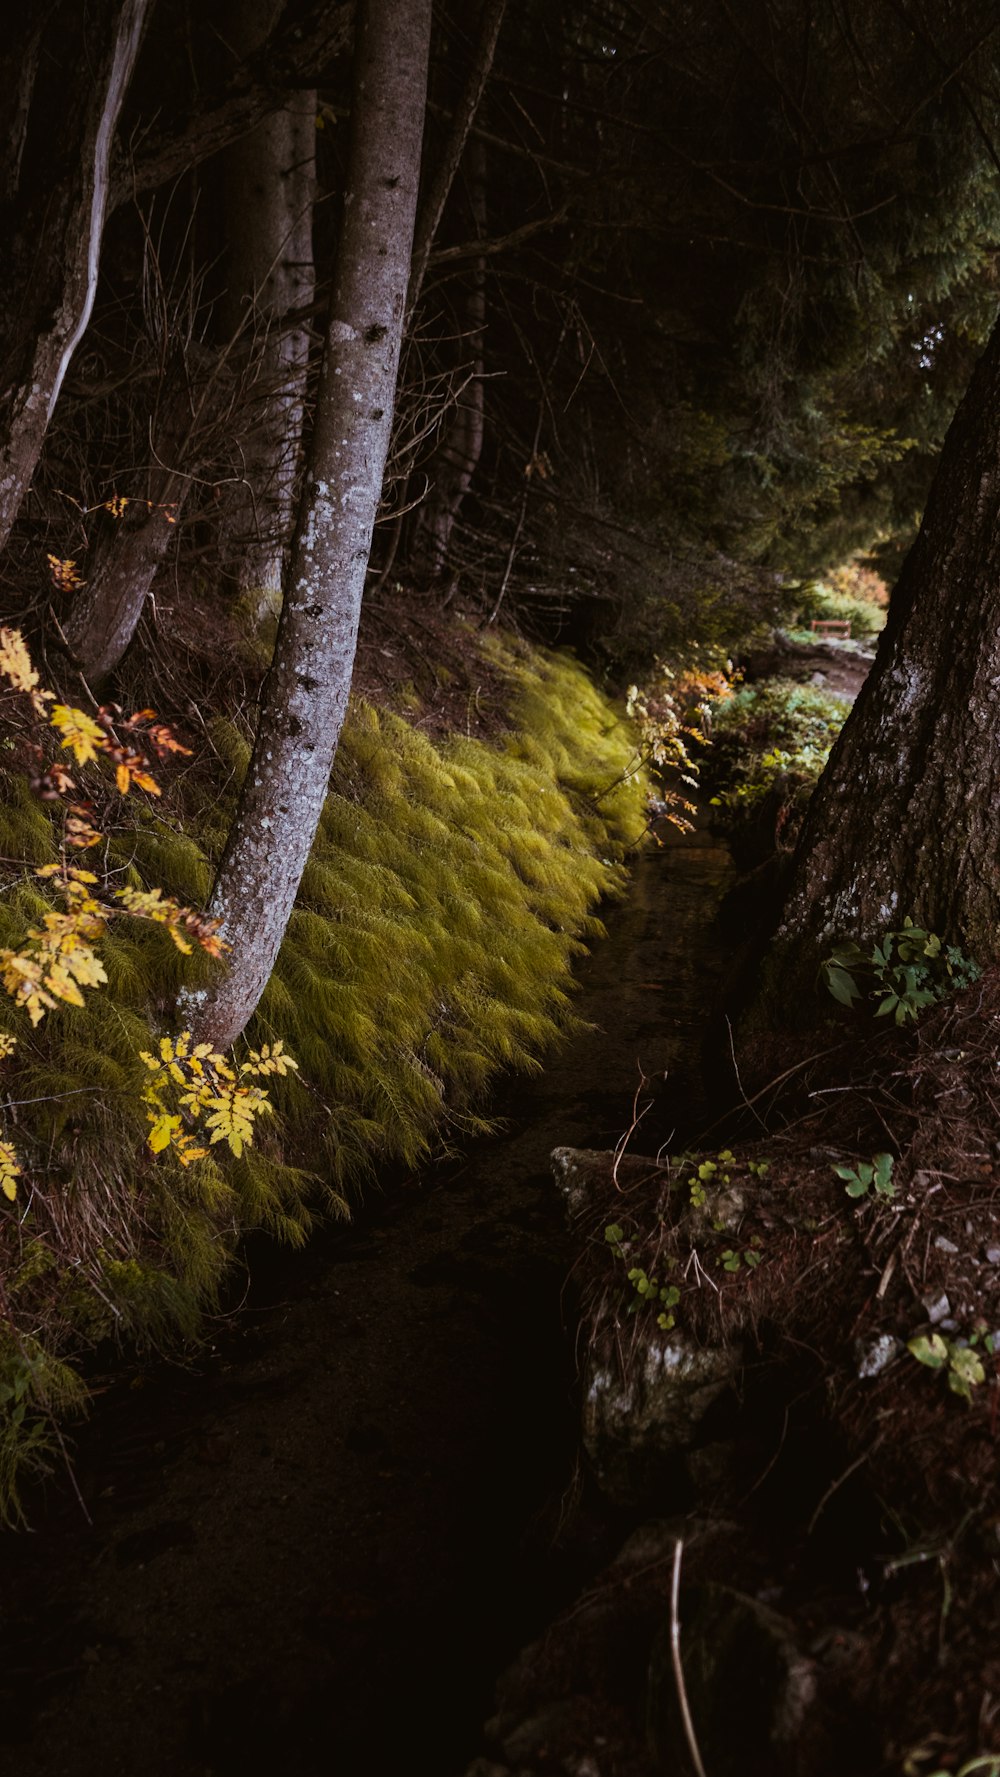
[(843, 1494), (315, 1548)]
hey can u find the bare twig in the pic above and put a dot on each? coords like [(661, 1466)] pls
[(637, 1117), (675, 1656)]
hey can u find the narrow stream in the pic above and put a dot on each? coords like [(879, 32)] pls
[(314, 1550)]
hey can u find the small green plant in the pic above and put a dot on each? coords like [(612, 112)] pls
[(909, 970), (871, 1175), (733, 1260), (958, 1359), (708, 1173), (649, 1291)]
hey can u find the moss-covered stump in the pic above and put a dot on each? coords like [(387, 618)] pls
[(452, 885)]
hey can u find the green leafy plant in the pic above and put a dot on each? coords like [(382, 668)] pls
[(957, 1359), (875, 1175), (909, 970), (708, 1173), (649, 1291), (732, 1259)]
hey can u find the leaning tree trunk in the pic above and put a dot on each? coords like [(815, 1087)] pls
[(59, 172), (107, 610), (305, 694), (906, 817), (270, 185)]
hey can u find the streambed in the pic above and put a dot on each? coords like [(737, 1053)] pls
[(315, 1548)]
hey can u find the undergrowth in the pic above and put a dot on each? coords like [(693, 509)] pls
[(848, 595), (451, 887), (770, 743)]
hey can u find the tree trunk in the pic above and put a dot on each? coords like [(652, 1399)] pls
[(432, 208), (106, 612), (305, 694), (906, 817), (270, 183), (57, 225), (455, 461)]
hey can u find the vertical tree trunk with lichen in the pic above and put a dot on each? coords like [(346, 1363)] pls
[(56, 169), (906, 817), (304, 698), (270, 184)]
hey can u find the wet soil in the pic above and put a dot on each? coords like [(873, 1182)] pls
[(313, 1548)]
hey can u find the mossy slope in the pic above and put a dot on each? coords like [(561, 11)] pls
[(450, 888)]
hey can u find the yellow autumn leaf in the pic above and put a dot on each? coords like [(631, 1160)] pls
[(16, 667), (59, 982), (87, 968), (10, 1171), (85, 736), (162, 1132)]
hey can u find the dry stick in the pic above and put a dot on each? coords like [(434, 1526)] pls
[(675, 1655), (779, 1080), (739, 1082), (637, 1116), (831, 1490), (518, 528)]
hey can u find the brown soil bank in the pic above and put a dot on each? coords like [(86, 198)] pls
[(818, 1427)]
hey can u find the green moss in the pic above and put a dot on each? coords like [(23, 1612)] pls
[(450, 889)]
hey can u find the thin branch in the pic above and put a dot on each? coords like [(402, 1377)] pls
[(462, 120), (675, 1656)]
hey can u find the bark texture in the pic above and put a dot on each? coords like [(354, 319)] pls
[(305, 694), (906, 817), (290, 59), (55, 223), (106, 612), (270, 184)]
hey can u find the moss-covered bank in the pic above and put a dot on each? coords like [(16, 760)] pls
[(451, 886)]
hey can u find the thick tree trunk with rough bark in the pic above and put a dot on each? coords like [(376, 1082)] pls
[(57, 202), (906, 817), (270, 184), (305, 694)]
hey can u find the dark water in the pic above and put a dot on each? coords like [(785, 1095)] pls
[(312, 1551)]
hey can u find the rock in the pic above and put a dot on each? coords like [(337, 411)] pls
[(638, 1421), (938, 1308), (749, 1687), (875, 1355), (583, 1175), (992, 1255), (944, 1245)]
